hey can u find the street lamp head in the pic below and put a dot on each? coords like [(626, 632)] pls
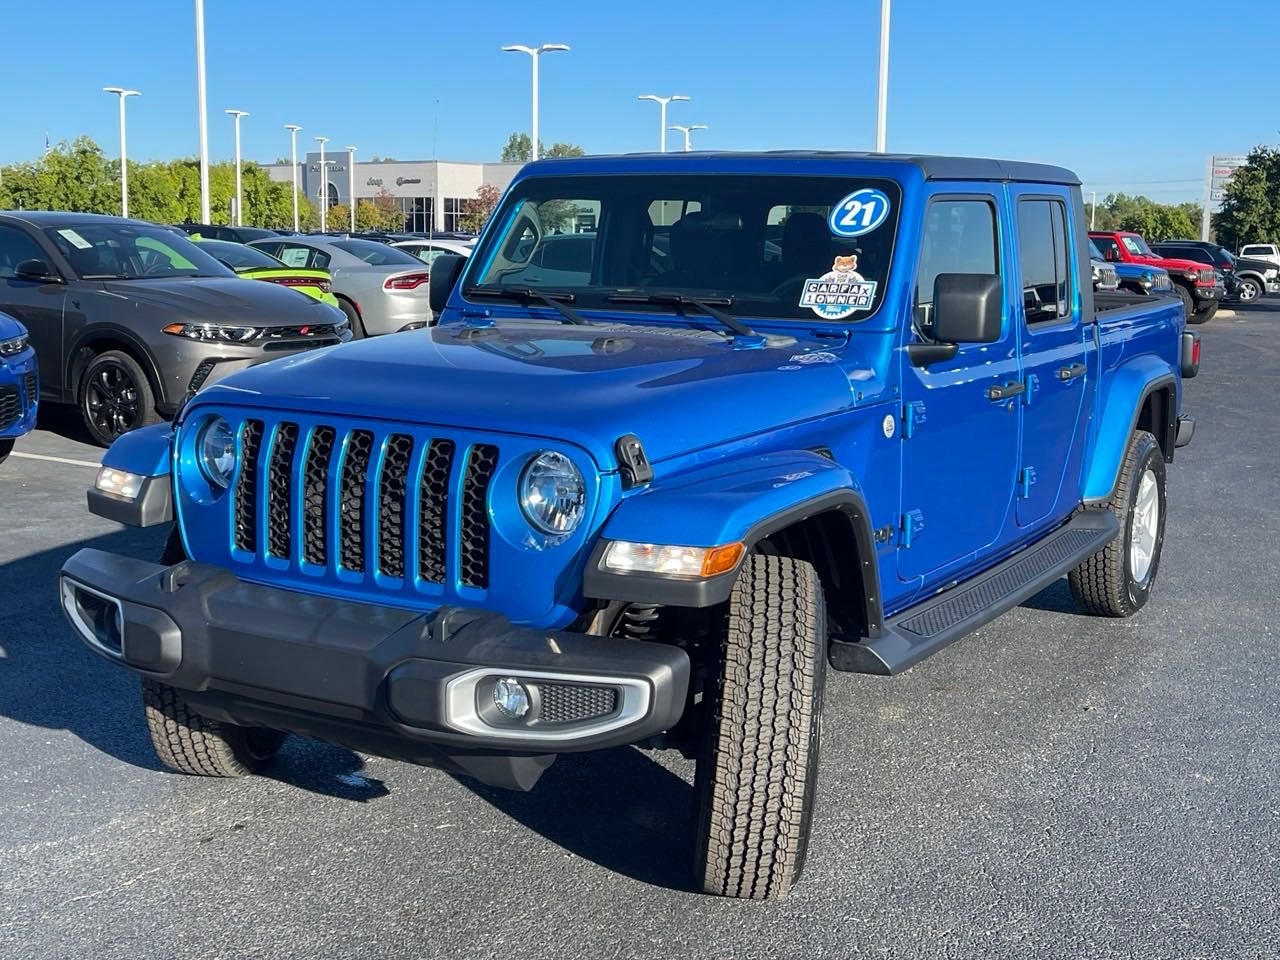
[(236, 113), (519, 48), (351, 149), (552, 47), (292, 127), (322, 139), (122, 91), (679, 97)]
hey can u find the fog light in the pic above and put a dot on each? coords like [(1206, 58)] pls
[(119, 483), (510, 697)]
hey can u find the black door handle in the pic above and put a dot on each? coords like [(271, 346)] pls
[(1071, 372), (1011, 389)]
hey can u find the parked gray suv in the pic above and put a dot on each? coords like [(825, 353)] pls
[(128, 318)]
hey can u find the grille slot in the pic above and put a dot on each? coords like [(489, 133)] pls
[(433, 511), (315, 500), (280, 490), (10, 407), (355, 469), (474, 548), (32, 387), (393, 483), (245, 509)]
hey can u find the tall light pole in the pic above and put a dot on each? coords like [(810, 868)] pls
[(351, 185), (123, 94), (662, 116), (324, 187), (882, 98), (535, 53), (236, 115), (688, 144), (202, 114), (293, 129)]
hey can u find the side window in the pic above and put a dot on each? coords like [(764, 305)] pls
[(16, 246), (959, 237), (1110, 249), (1043, 260)]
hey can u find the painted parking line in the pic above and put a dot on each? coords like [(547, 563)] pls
[(41, 456)]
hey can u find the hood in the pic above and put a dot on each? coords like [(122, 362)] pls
[(10, 327), (1172, 263), (221, 299), (676, 389)]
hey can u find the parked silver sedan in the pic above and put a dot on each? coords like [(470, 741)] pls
[(427, 250), (379, 288)]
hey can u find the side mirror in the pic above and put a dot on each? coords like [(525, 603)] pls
[(967, 307), (36, 270), (445, 270)]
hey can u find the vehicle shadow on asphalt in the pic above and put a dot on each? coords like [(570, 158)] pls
[(1055, 598), (50, 679), (617, 808), (64, 420)]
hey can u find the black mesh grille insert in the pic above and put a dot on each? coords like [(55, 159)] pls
[(393, 482), (32, 388), (355, 468), (10, 407), (568, 703), (474, 559), (280, 491), (433, 511), (315, 501), (246, 494)]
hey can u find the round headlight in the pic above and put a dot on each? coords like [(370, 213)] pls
[(216, 452), (552, 493)]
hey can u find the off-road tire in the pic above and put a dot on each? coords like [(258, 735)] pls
[(757, 768), (1205, 315), (1188, 302), (189, 743), (1104, 584)]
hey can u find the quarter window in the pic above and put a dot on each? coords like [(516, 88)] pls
[(1043, 259)]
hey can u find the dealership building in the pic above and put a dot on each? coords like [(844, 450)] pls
[(431, 193)]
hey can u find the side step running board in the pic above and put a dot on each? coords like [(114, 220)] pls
[(926, 628)]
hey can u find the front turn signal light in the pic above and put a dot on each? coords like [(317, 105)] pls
[(665, 560)]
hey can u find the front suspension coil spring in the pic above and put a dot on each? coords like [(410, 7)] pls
[(639, 621)]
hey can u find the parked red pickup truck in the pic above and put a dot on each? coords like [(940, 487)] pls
[(1197, 284)]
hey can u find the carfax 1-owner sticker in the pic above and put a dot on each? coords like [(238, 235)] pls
[(840, 293)]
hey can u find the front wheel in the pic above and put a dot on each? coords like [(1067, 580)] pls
[(757, 768), (1188, 304), (1205, 315), (189, 743), (1116, 581), (115, 397)]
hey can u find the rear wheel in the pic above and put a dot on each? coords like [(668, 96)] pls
[(115, 397), (353, 318), (1188, 304), (1249, 290), (757, 768)]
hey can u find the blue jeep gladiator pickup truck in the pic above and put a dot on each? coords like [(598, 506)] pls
[(790, 411)]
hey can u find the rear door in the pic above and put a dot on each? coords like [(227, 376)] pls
[(1052, 334), (37, 304), (960, 445)]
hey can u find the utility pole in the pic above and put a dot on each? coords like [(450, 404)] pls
[(236, 115), (202, 114), (662, 115), (293, 129), (123, 95), (535, 54), (324, 187), (351, 185), (882, 97)]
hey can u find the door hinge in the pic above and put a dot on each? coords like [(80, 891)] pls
[(912, 526), (1033, 384), (912, 417), (1026, 478)]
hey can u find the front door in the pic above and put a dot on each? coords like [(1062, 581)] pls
[(37, 304), (960, 444), (1053, 353)]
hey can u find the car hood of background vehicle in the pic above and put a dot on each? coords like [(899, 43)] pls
[(676, 389), (10, 327), (222, 300)]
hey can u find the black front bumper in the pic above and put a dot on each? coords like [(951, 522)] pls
[(399, 683), (1212, 294)]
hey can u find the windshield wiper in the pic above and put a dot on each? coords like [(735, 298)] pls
[(708, 305), (555, 299)]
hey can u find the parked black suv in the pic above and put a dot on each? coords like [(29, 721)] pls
[(221, 231), (1246, 279)]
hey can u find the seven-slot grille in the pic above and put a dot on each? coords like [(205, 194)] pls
[(354, 505), (10, 406)]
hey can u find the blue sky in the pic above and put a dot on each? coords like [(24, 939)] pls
[(1131, 100)]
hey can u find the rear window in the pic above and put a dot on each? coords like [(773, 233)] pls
[(377, 254), (240, 257)]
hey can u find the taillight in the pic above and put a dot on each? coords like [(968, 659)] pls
[(300, 282), (406, 281), (1190, 354)]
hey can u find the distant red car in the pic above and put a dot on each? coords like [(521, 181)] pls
[(1197, 284)]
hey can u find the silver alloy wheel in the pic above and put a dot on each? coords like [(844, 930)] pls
[(1248, 291), (1144, 526)]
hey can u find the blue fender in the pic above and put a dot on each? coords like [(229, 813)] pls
[(730, 501), (1129, 386), (147, 452)]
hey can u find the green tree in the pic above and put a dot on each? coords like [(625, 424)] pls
[(1155, 221), (1251, 206), (476, 212), (390, 216), (517, 149)]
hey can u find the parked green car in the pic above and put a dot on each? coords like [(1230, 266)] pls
[(254, 264)]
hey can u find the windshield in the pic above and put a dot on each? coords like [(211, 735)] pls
[(377, 254), (785, 247), (128, 251), (1094, 252), (240, 257), (1136, 246)]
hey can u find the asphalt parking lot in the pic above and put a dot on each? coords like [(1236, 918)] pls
[(1054, 786)]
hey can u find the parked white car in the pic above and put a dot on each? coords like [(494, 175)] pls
[(1262, 251), (428, 250)]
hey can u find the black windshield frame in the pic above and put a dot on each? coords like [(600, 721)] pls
[(738, 213)]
